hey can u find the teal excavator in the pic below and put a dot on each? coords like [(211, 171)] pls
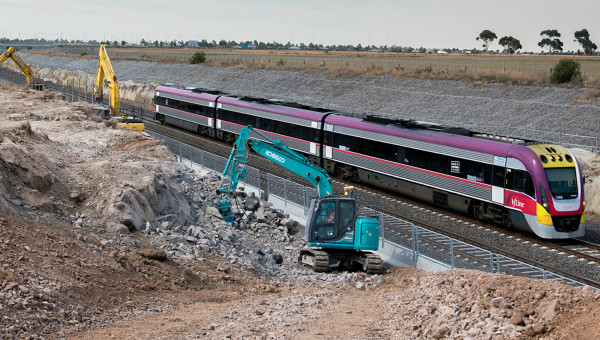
[(336, 234)]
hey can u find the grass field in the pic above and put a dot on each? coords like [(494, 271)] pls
[(522, 69)]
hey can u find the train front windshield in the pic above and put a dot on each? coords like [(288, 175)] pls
[(563, 182)]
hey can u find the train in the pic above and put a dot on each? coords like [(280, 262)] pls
[(530, 186)]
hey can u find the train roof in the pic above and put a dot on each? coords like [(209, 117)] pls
[(196, 93), (276, 106), (428, 132)]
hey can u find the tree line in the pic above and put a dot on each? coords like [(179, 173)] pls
[(550, 40)]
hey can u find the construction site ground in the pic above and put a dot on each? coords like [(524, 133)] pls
[(71, 268)]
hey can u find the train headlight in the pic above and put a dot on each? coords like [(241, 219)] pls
[(545, 205)]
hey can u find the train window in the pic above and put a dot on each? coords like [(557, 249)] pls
[(388, 151), (314, 135), (510, 179), (523, 182), (479, 172), (418, 158), (401, 155), (498, 178), (438, 163)]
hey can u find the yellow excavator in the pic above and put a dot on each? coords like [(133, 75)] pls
[(12, 54), (105, 71)]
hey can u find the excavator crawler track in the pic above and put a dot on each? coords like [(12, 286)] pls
[(373, 264), (317, 259)]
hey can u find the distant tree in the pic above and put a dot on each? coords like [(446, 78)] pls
[(550, 40), (510, 44), (123, 42), (222, 43), (143, 42), (198, 58), (583, 38), (487, 37)]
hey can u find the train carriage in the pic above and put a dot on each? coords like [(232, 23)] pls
[(189, 109), (534, 187), (291, 123)]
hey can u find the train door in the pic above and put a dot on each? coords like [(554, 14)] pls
[(498, 181), (328, 141), (314, 138), (328, 163)]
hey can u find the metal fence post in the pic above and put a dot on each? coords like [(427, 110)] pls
[(382, 223), (180, 153), (452, 253), (305, 200), (533, 67), (268, 185), (284, 193), (202, 158), (519, 66), (415, 244)]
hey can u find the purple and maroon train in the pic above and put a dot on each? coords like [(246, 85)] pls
[(531, 186)]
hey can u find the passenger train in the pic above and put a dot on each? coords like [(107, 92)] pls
[(531, 186)]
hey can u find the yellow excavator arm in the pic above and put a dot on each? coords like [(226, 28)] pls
[(12, 54), (105, 70)]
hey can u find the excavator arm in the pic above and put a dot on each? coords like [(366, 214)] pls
[(11, 53), (105, 69), (276, 152)]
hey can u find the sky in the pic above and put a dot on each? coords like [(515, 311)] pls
[(416, 23)]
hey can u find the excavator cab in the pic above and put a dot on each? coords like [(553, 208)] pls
[(334, 221)]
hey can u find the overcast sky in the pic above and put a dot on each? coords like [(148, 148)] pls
[(415, 23)]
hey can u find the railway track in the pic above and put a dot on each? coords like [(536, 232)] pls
[(575, 259)]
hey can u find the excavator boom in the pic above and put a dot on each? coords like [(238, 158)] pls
[(21, 64), (105, 71)]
